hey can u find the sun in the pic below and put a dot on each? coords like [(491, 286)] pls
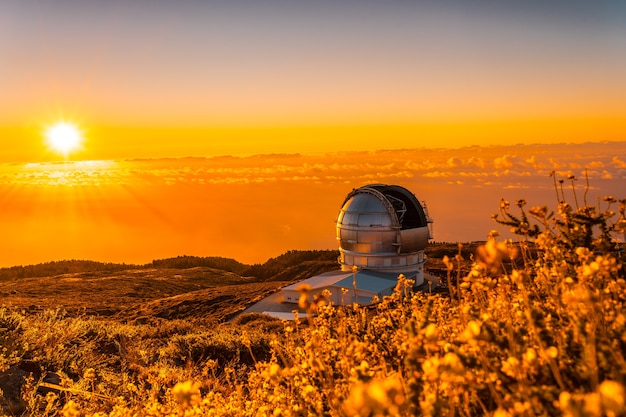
[(64, 137)]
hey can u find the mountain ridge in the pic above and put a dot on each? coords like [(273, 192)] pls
[(53, 268)]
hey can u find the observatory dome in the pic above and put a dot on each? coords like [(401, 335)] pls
[(384, 228)]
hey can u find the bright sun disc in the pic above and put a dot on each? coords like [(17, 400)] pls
[(63, 137)]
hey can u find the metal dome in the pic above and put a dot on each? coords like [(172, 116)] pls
[(382, 227)]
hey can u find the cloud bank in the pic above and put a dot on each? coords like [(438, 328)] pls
[(495, 166), (253, 208)]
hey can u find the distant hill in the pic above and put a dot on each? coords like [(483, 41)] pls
[(61, 267), (185, 287), (139, 295), (304, 270), (216, 262), (269, 270), (261, 271), (293, 258)]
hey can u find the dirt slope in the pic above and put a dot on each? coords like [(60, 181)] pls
[(136, 295), (108, 293), (219, 303)]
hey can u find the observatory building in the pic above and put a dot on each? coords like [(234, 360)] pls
[(382, 232)]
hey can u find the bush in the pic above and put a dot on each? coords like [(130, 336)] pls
[(539, 332), (227, 346)]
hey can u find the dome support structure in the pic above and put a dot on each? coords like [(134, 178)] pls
[(383, 228)]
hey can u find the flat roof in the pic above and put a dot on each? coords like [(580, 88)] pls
[(371, 281), (366, 280), (321, 281)]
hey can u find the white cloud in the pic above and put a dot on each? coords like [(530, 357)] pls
[(618, 163), (454, 162), (596, 164), (477, 162), (504, 162), (438, 174)]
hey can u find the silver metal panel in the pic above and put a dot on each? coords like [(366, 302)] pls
[(347, 235), (373, 236), (413, 240), (365, 203), (351, 219), (380, 231), (377, 219)]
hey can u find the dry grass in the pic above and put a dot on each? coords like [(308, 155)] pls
[(543, 334), (169, 293)]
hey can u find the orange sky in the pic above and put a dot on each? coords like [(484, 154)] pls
[(158, 79), (104, 143), (461, 102), (254, 208)]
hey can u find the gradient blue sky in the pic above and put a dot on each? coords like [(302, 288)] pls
[(244, 64)]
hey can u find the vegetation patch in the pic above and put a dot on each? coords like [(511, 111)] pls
[(533, 327)]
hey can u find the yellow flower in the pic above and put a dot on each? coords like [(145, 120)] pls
[(552, 352), (452, 361), (380, 397), (90, 373), (303, 301), (431, 368), (591, 405), (501, 413), (612, 398), (431, 332), (274, 370), (565, 398), (304, 288), (510, 366), (187, 393), (530, 356), (70, 409), (472, 331)]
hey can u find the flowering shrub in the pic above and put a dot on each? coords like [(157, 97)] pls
[(537, 327)]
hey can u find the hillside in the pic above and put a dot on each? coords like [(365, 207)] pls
[(76, 266), (532, 328), (107, 293), (139, 293), (184, 287), (210, 304)]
